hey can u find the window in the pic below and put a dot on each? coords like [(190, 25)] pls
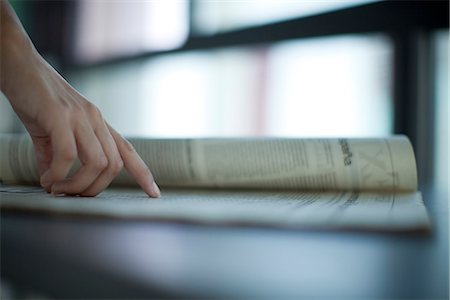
[(336, 86), (108, 29), (247, 67), (294, 88)]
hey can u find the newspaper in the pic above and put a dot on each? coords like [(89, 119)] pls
[(301, 183)]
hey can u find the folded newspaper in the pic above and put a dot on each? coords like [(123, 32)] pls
[(286, 182)]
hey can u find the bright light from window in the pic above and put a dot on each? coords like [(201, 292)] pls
[(199, 94), (108, 29), (336, 86), (330, 87)]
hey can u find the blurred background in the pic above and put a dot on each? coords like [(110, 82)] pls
[(292, 68)]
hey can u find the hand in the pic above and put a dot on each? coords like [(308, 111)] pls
[(62, 123)]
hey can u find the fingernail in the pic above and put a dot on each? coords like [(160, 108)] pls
[(156, 191), (55, 191)]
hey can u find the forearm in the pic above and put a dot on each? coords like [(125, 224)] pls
[(16, 51)]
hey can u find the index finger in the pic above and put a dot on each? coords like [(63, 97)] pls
[(135, 165)]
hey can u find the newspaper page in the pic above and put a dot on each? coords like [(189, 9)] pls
[(309, 164), (17, 159), (291, 209), (386, 164)]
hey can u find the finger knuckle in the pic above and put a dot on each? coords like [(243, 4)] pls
[(68, 154), (117, 166), (100, 162), (93, 111), (128, 146)]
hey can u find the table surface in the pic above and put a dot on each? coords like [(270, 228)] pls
[(66, 257)]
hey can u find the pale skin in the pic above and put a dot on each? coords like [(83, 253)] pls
[(64, 126)]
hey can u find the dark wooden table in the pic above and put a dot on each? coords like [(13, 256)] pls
[(88, 258)]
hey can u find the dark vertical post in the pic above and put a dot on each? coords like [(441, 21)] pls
[(412, 94)]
